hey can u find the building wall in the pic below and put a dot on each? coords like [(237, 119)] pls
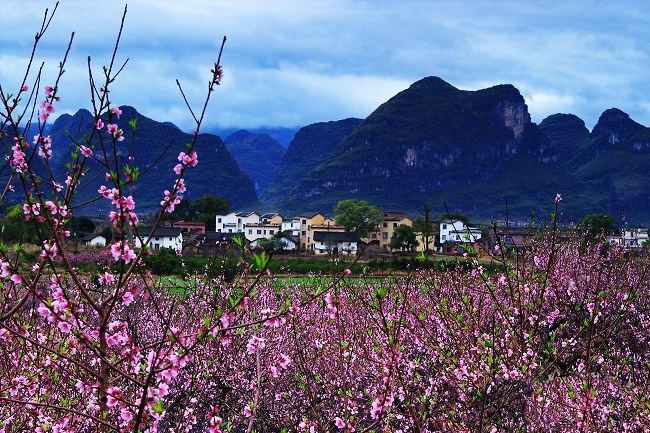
[(387, 227), (321, 247), (158, 242), (232, 223), (261, 231), (98, 241)]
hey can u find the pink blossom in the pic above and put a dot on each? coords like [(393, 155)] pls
[(339, 422), (347, 271), (49, 90), (64, 327), (111, 128), (254, 344), (16, 278), (25, 88), (116, 111), (86, 151), (285, 361), (100, 124), (247, 411), (558, 198)]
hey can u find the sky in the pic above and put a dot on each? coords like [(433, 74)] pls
[(292, 63)]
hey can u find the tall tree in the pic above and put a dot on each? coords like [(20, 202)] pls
[(597, 225), (404, 238), (207, 207), (424, 226), (358, 216)]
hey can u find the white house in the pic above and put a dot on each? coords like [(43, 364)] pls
[(235, 222), (457, 231), (163, 237), (328, 242), (257, 231), (94, 240), (634, 238), (292, 225), (290, 244)]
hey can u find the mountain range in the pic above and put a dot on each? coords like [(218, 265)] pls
[(475, 152), (480, 153)]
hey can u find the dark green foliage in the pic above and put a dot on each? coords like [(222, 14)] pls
[(357, 216), (597, 226), (81, 225), (404, 238), (271, 245), (166, 262), (205, 209), (259, 155)]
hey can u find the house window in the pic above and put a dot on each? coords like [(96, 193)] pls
[(271, 232), (373, 236), (304, 233), (384, 235), (304, 221), (264, 231), (444, 226), (394, 225), (259, 232), (239, 221), (444, 237), (219, 220), (157, 239), (229, 230), (385, 225), (156, 246), (219, 231), (250, 231)]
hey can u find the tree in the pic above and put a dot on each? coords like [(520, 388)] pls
[(598, 225), (357, 216), (81, 225), (207, 207), (271, 245), (404, 238), (424, 227)]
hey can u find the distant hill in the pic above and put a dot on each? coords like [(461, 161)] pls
[(475, 150), (154, 148), (256, 154), (311, 146), (280, 134)]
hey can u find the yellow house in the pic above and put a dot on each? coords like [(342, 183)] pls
[(384, 231), (313, 222)]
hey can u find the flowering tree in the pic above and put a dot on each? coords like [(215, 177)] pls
[(555, 338)]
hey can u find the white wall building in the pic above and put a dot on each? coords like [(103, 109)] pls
[(163, 237), (457, 231), (94, 240), (344, 242), (261, 231), (235, 222), (634, 238), (292, 225)]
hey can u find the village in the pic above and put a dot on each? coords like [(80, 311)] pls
[(317, 234)]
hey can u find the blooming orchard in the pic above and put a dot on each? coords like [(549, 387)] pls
[(555, 338)]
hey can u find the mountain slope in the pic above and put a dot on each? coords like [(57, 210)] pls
[(256, 154), (424, 144), (311, 146), (154, 148)]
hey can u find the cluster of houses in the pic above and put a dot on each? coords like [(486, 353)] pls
[(317, 233)]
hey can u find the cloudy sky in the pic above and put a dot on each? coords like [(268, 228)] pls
[(291, 63)]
